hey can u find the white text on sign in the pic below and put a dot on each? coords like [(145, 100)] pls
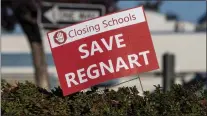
[(100, 69), (95, 47)]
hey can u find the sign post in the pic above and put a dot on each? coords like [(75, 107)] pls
[(57, 15), (102, 49)]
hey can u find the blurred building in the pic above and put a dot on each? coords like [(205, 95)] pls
[(167, 23)]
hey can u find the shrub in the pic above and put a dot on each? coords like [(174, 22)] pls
[(28, 100)]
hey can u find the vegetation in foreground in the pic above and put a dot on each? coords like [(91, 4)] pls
[(25, 99)]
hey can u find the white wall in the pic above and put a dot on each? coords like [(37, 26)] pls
[(189, 49)]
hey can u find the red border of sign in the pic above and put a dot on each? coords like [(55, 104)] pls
[(96, 18)]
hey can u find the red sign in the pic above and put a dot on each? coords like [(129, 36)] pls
[(102, 49)]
